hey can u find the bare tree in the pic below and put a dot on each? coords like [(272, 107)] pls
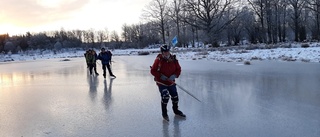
[(258, 6), (101, 36), (296, 16), (86, 38), (78, 34), (125, 33), (106, 34), (157, 12), (135, 34), (39, 41), (273, 10), (209, 16), (3, 39), (149, 34), (281, 18), (9, 46), (91, 36), (271, 20), (175, 12), (314, 5), (236, 28), (114, 36)]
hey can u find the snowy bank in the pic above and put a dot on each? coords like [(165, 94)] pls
[(311, 54), (281, 54)]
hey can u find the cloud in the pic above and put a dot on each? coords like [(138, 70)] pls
[(20, 16), (29, 13)]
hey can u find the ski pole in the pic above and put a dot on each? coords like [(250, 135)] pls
[(179, 87), (187, 92), (183, 89)]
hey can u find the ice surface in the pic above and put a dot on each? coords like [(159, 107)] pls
[(59, 98)]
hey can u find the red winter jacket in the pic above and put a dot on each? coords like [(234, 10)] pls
[(165, 67)]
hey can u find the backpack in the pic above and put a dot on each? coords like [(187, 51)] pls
[(109, 53)]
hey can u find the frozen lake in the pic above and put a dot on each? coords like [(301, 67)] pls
[(51, 98)]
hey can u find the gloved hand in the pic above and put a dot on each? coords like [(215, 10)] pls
[(172, 77), (163, 77)]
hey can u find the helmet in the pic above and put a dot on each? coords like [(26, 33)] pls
[(164, 48), (103, 49)]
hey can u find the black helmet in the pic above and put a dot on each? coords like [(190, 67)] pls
[(164, 48), (103, 49)]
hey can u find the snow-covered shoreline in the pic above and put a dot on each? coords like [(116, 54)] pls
[(311, 54)]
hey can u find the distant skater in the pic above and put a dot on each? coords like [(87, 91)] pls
[(165, 70), (85, 56), (105, 57), (95, 62), (91, 61)]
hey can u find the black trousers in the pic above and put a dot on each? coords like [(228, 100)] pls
[(104, 66), (92, 66)]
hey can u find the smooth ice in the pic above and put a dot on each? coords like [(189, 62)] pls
[(51, 98)]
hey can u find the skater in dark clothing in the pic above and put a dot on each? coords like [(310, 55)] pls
[(85, 56), (165, 70), (91, 61), (105, 57), (95, 62)]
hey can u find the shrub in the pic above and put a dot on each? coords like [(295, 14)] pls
[(305, 45), (143, 53), (9, 46), (247, 63)]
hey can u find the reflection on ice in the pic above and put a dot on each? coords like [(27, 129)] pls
[(93, 83), (53, 98), (173, 129), (107, 99)]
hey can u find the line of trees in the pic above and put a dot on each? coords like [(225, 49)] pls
[(192, 21), (258, 21)]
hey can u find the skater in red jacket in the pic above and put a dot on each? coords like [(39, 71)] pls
[(165, 70)]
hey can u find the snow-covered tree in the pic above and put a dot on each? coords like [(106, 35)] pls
[(9, 46)]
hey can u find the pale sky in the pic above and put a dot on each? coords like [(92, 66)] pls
[(20, 16)]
